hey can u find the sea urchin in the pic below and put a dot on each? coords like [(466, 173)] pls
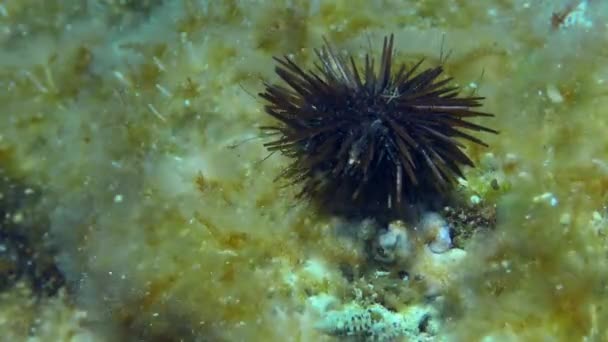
[(369, 137)]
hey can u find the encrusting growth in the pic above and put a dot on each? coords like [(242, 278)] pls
[(372, 137)]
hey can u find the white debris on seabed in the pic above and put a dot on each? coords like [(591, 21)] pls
[(475, 200), (322, 302), (546, 197), (376, 323), (598, 222), (554, 94)]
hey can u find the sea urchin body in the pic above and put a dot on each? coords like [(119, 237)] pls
[(373, 136)]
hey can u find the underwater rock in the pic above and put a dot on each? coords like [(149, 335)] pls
[(393, 244), (11, 267), (438, 270), (436, 229), (25, 253), (376, 323)]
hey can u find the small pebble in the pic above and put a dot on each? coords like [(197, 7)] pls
[(437, 230)]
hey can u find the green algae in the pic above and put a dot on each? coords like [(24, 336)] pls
[(136, 120)]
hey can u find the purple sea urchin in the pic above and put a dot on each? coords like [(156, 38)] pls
[(363, 138)]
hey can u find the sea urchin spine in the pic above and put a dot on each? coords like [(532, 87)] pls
[(370, 136)]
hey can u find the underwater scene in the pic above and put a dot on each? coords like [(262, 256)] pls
[(303, 170)]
